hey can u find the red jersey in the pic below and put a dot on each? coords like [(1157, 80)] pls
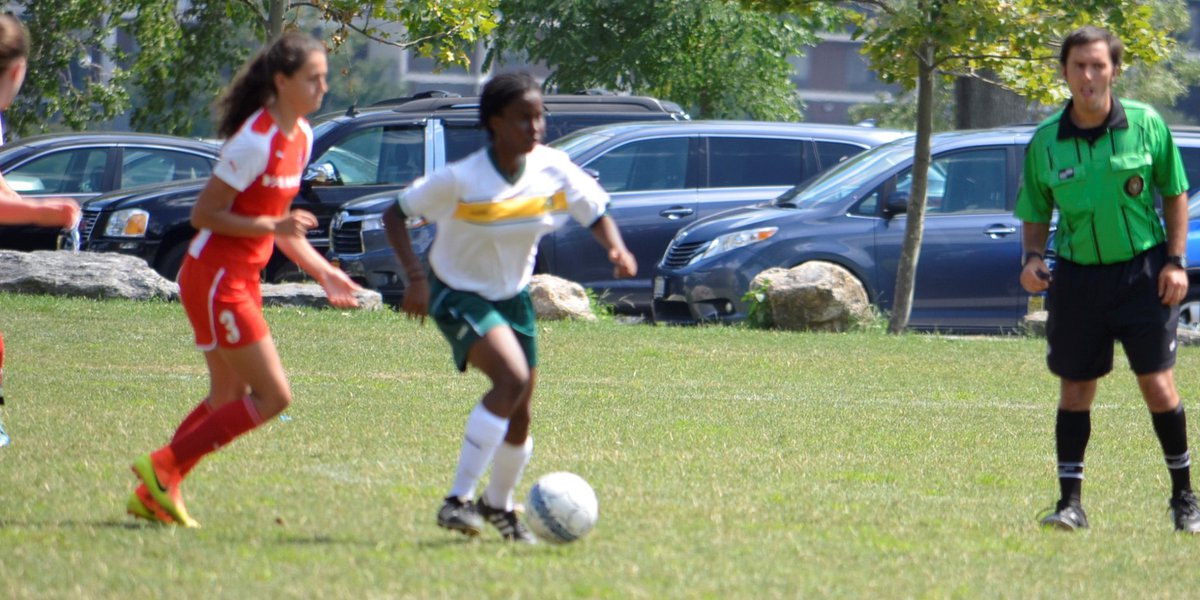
[(265, 167)]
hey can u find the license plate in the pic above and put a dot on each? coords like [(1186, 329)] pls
[(660, 287)]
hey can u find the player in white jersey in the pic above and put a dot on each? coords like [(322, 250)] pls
[(491, 208)]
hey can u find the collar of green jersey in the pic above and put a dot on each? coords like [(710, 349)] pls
[(1116, 120), (491, 152)]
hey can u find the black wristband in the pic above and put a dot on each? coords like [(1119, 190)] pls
[(1029, 255)]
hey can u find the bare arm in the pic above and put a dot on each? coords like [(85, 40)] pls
[(605, 231), (339, 288), (416, 294), (1035, 277), (51, 212), (213, 211), (1173, 281)]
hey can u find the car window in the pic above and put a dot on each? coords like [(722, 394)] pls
[(354, 160), (153, 165), (659, 164), (67, 172), (832, 153), (846, 179), (461, 141), (967, 182), (1191, 164), (402, 156), (754, 162)]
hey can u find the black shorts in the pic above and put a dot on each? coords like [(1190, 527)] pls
[(1091, 306)]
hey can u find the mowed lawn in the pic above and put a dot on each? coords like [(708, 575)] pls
[(729, 463)]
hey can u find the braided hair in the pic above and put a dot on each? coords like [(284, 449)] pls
[(254, 85)]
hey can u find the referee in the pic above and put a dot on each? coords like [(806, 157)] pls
[(1119, 274)]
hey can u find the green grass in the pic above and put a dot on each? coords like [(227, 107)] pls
[(729, 463)]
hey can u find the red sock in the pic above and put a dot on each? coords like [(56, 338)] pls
[(220, 428), (189, 423)]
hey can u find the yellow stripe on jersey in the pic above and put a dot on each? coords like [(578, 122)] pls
[(512, 209)]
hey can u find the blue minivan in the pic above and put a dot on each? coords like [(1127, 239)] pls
[(968, 270)]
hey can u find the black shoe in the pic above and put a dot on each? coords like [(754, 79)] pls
[(507, 522), (1185, 511), (460, 516), (1067, 516)]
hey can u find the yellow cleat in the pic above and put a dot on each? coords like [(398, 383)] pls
[(143, 506), (168, 498)]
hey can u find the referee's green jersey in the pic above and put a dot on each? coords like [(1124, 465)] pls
[(1101, 180)]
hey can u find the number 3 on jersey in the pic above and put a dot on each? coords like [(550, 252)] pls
[(229, 322)]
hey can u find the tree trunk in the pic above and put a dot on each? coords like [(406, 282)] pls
[(979, 104), (275, 19), (914, 230)]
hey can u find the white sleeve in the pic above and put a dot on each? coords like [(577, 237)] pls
[(586, 200), (243, 159), (434, 197)]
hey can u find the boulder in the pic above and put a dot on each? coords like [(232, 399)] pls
[(99, 275), (312, 295), (813, 296), (555, 298)]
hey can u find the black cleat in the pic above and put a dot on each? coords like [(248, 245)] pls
[(1067, 516), (1185, 512), (460, 516), (507, 522)]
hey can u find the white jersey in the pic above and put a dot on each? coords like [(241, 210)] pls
[(488, 227)]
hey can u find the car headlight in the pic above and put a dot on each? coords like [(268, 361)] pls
[(372, 223), (732, 241), (127, 223)]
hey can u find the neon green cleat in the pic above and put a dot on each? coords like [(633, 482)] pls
[(142, 506), (168, 498)]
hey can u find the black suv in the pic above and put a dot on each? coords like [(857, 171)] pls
[(378, 149)]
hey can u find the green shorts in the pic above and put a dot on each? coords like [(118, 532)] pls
[(465, 317)]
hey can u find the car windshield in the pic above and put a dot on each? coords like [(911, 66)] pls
[(579, 142), (845, 179)]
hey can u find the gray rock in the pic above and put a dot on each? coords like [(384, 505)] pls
[(99, 275), (312, 295), (555, 298), (814, 296)]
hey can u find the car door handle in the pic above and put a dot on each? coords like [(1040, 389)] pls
[(999, 231), (676, 212)]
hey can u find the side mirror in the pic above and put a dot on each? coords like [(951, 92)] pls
[(594, 173), (897, 204), (324, 174)]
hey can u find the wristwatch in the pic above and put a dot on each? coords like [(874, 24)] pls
[(1178, 260)]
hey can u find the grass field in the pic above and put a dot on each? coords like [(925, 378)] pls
[(729, 463)]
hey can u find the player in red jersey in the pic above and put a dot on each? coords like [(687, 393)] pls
[(15, 210), (243, 209)]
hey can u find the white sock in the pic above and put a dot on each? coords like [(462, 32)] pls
[(507, 467), (485, 431)]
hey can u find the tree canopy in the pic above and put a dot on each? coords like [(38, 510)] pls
[(92, 60)]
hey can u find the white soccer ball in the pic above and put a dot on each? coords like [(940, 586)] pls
[(561, 507)]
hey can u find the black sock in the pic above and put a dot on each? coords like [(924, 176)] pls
[(1171, 428), (1071, 433)]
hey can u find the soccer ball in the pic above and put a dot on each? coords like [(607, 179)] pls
[(561, 507)]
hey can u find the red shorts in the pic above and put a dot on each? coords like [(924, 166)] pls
[(225, 309)]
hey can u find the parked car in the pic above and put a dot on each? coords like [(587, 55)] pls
[(967, 275), (661, 177), (360, 152), (83, 165)]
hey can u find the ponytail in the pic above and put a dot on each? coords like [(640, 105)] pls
[(254, 85)]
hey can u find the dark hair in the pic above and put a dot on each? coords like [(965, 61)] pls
[(501, 91), (254, 84), (14, 41), (1088, 34)]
